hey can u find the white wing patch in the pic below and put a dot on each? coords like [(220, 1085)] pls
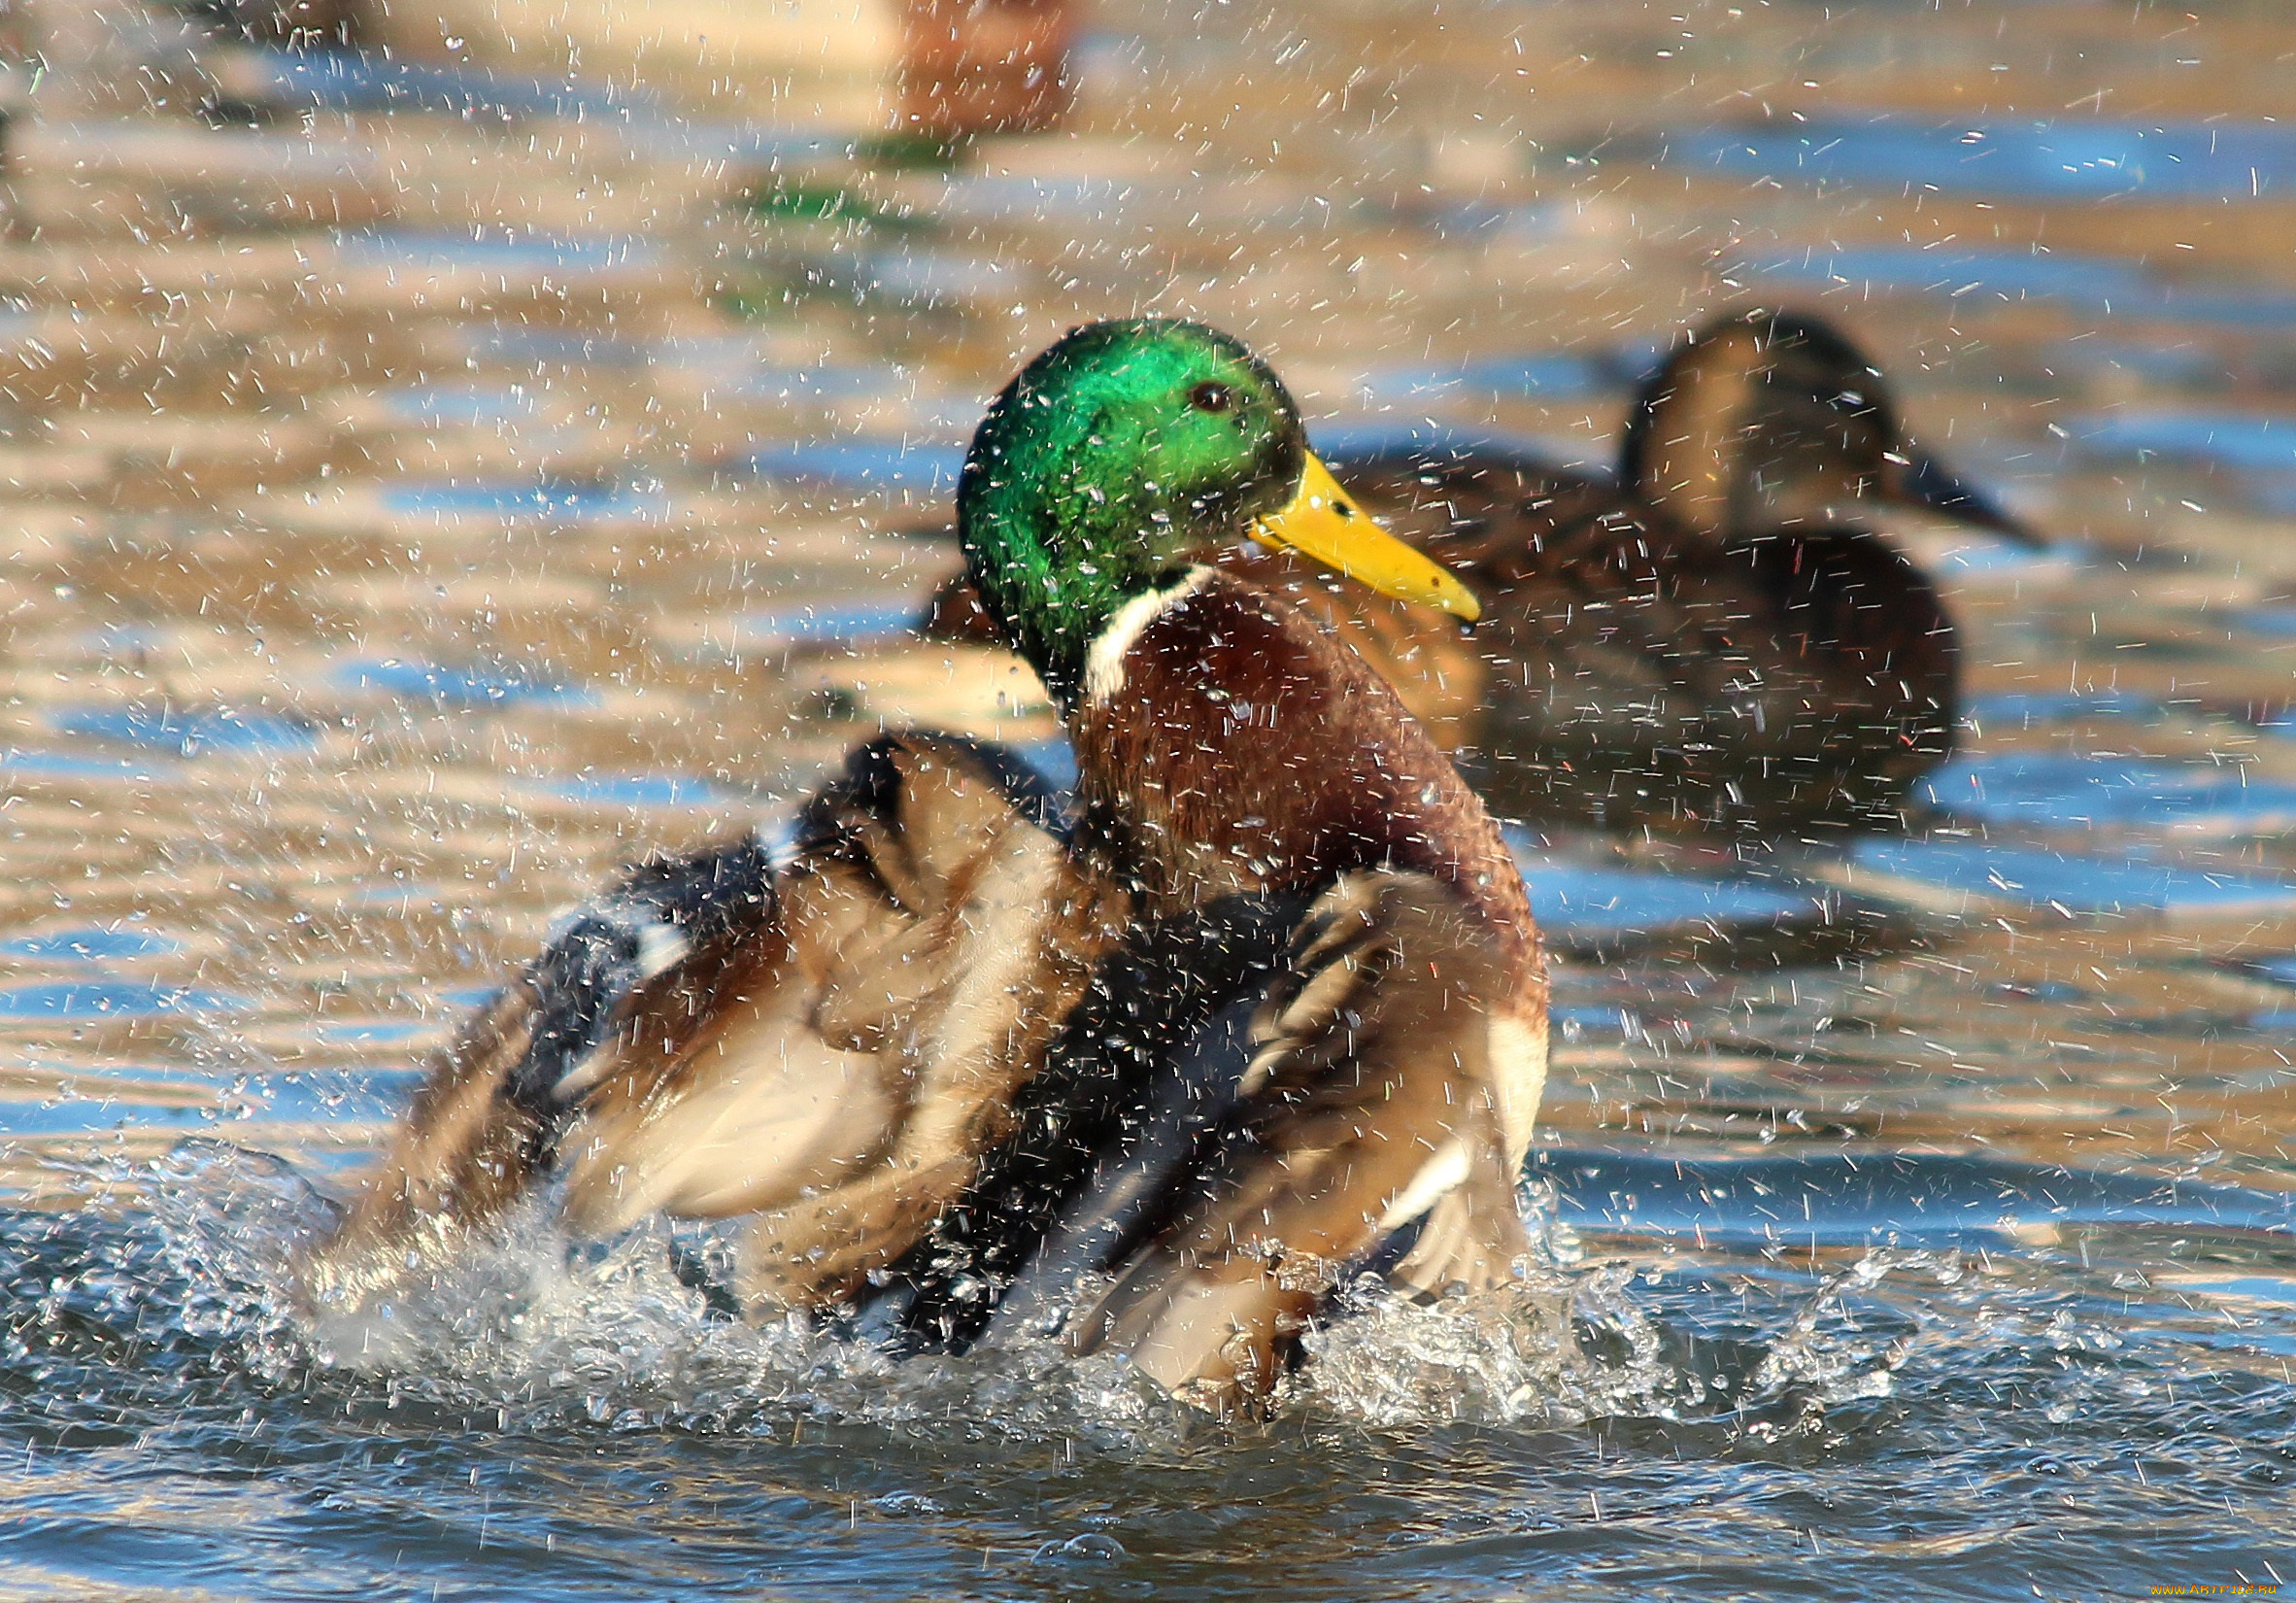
[(1518, 1077), (1436, 1176), (661, 948)]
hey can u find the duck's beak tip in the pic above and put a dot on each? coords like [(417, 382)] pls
[(1323, 522), (1926, 482)]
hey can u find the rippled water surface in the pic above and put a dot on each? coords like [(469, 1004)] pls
[(419, 502)]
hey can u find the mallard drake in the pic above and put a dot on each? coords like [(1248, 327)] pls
[(1710, 638), (1266, 1002)]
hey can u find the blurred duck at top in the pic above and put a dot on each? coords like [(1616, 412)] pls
[(938, 70), (295, 25), (1715, 638)]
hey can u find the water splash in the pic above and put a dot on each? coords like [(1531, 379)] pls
[(187, 1260)]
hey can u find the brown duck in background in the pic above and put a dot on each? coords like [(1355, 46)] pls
[(1711, 639)]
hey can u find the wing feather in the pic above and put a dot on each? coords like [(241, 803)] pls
[(1368, 1108), (831, 1046)]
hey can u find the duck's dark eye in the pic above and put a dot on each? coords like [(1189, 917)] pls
[(1211, 397)]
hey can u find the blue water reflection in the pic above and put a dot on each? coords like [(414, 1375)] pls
[(2068, 159), (2054, 790), (462, 688), (111, 999), (92, 943), (1981, 872), (861, 462), (187, 731), (1833, 1200)]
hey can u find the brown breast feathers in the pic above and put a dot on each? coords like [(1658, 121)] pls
[(1241, 750)]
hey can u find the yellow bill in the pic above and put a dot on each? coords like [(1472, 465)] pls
[(1323, 522)]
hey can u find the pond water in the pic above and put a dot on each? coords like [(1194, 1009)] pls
[(424, 501)]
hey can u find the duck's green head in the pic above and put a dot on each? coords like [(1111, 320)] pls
[(1130, 448)]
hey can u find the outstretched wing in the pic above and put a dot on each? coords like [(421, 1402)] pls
[(489, 1122), (830, 1045)]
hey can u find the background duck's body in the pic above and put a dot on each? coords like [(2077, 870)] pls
[(838, 1046), (1631, 674)]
